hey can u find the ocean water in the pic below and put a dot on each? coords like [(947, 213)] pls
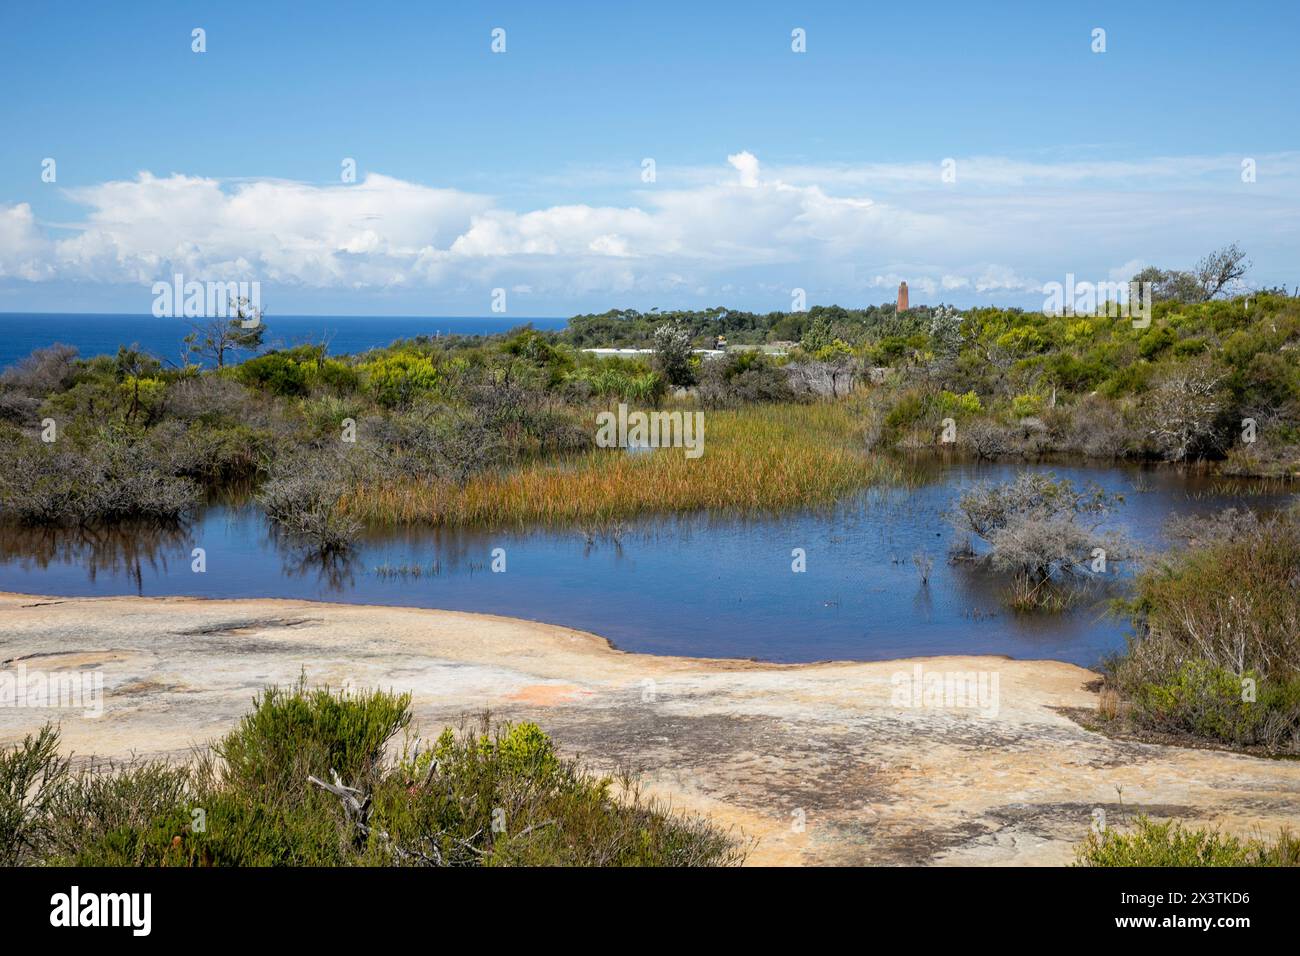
[(23, 332)]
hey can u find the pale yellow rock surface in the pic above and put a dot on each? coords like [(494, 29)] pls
[(760, 746)]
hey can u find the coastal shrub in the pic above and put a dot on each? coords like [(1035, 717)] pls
[(1217, 654), (214, 399), (339, 377), (31, 773), (1042, 530), (277, 373), (1214, 703), (295, 732), (743, 378), (430, 441), (102, 802), (908, 412), (399, 378), (1183, 409), (1171, 843), (1027, 404), (1098, 429), (487, 794), (215, 455), (26, 384), (499, 795), (985, 439), (303, 496), (949, 403), (112, 475), (1128, 380), (672, 355), (1156, 340)]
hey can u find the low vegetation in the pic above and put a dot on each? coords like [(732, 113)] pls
[(1043, 531), (800, 409), (1170, 843), (759, 458), (1217, 652), (312, 777)]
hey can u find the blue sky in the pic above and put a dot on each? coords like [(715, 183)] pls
[(774, 170)]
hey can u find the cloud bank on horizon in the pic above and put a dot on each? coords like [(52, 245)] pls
[(973, 230)]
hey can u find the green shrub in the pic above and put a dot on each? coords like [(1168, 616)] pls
[(276, 373), (908, 411), (31, 774), (1217, 704), (399, 378), (1156, 340), (1026, 405), (340, 376), (1189, 347), (1172, 844), (952, 404), (1218, 624), (486, 795), (293, 732)]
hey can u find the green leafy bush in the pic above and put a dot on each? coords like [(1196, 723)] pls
[(1172, 844), (307, 779), (294, 732), (1023, 406), (399, 378), (1218, 654), (276, 373), (965, 404)]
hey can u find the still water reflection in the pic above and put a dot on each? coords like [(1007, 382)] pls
[(697, 585)]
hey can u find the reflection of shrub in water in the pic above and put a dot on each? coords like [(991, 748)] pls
[(114, 549), (334, 570)]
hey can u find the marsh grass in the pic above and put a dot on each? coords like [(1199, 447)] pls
[(756, 459), (1046, 596), (387, 571)]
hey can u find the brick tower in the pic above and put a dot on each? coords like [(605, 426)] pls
[(902, 297)]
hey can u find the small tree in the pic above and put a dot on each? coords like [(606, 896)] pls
[(1221, 270), (672, 357), (1215, 274), (241, 332), (817, 336), (130, 366), (1170, 285)]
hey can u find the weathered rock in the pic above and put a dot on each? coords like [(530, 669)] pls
[(760, 746)]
